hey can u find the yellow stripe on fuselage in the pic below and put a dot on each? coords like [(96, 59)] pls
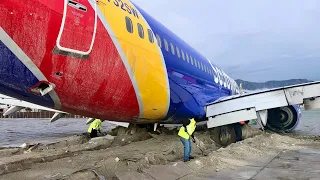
[(145, 58)]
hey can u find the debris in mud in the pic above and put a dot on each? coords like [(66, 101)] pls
[(139, 150)]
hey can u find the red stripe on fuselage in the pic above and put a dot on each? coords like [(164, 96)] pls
[(97, 87)]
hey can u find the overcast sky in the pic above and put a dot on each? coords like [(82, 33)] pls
[(255, 40)]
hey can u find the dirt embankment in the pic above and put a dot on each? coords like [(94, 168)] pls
[(133, 149)]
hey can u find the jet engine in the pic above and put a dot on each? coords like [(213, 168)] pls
[(283, 119)]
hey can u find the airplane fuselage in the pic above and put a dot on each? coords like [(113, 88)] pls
[(109, 60)]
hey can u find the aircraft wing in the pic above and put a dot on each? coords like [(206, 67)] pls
[(17, 105), (15, 102), (255, 105)]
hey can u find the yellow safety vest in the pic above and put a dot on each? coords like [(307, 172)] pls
[(96, 124), (190, 129)]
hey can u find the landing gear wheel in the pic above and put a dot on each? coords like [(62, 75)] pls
[(224, 136)]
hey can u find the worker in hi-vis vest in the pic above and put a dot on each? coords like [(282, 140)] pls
[(186, 133), (95, 127)]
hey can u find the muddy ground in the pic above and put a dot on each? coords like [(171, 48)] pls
[(135, 149)]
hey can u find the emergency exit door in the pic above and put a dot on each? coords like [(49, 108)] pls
[(78, 27)]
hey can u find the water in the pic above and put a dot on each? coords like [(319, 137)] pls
[(310, 123), (14, 132)]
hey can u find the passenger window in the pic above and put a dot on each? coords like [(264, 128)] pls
[(129, 25), (159, 40), (150, 34), (178, 52), (172, 48), (187, 56), (140, 30), (166, 46), (182, 54), (191, 60)]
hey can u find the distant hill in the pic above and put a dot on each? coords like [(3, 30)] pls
[(269, 84)]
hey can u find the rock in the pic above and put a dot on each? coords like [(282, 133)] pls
[(117, 159), (217, 170)]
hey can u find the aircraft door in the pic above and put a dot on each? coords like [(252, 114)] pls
[(78, 27)]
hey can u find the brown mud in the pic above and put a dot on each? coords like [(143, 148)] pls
[(135, 149)]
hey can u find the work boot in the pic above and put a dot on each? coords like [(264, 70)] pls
[(186, 160), (191, 157)]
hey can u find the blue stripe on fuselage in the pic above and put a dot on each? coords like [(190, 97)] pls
[(188, 97), (16, 79)]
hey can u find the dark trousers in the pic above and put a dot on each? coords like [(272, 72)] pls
[(238, 130), (94, 133)]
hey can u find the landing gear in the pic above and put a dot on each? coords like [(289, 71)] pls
[(225, 136)]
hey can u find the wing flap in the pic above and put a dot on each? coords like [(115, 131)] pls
[(238, 108)]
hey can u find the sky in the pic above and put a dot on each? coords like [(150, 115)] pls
[(254, 40)]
